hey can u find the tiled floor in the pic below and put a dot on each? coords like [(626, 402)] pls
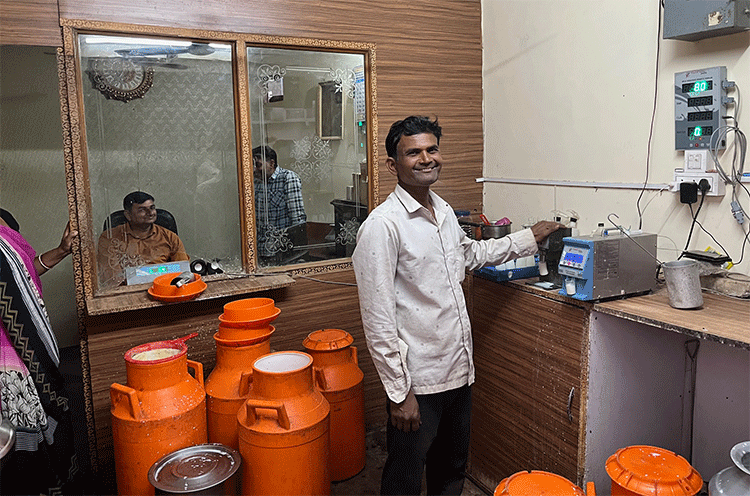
[(368, 480)]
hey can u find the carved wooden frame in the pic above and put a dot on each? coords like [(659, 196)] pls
[(79, 194)]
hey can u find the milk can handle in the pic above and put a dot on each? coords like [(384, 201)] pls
[(198, 368), (320, 378), (131, 397), (245, 380), (281, 416), (354, 355)]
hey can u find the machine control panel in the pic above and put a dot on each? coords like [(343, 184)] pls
[(699, 102), (573, 257)]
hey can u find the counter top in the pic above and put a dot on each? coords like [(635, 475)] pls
[(723, 319), (137, 298)]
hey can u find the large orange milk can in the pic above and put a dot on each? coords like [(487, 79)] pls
[(228, 385), (283, 429), (338, 376), (162, 409)]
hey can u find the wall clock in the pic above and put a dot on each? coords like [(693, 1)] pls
[(120, 78)]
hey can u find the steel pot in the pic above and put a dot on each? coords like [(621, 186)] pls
[(495, 231)]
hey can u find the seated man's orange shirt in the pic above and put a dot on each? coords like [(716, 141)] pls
[(120, 248)]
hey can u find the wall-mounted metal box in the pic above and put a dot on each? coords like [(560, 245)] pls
[(692, 20)]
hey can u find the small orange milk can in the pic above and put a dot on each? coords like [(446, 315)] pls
[(162, 409), (228, 385), (283, 429), (338, 376)]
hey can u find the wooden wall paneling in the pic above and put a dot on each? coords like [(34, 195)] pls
[(528, 355), (29, 22), (429, 60)]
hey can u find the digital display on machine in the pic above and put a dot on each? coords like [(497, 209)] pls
[(575, 258), (700, 101), (698, 131), (698, 86), (700, 116)]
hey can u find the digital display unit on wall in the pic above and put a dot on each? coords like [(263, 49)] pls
[(698, 107)]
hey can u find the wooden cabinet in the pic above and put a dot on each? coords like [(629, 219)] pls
[(530, 350)]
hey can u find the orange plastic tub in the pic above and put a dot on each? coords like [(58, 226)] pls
[(648, 470), (539, 483), (248, 318), (338, 376)]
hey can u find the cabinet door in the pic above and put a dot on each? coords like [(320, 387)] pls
[(527, 352)]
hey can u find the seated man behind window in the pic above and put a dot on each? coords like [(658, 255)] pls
[(139, 241), (278, 205)]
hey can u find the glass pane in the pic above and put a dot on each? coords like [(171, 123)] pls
[(308, 123), (159, 118)]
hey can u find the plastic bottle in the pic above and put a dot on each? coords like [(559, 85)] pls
[(599, 231), (573, 227)]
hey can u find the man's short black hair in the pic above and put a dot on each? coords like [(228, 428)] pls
[(135, 197), (267, 152), (410, 126)]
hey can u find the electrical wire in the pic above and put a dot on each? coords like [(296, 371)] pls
[(733, 178), (653, 116), (724, 250), (692, 224)]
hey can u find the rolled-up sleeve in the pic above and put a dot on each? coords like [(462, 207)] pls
[(496, 251), (374, 260)]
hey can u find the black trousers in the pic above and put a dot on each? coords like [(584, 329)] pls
[(441, 444)]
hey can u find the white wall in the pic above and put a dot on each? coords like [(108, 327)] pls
[(32, 170), (569, 95)]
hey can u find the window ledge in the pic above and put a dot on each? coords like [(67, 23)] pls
[(137, 297)]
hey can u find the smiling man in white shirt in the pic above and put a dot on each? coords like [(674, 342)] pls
[(410, 260)]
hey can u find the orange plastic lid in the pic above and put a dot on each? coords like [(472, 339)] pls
[(537, 483), (648, 470), (328, 339)]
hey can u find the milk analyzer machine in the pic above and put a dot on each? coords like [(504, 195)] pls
[(608, 265)]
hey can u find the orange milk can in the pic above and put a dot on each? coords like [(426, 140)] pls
[(283, 429), (228, 385), (162, 409), (337, 375), (540, 483), (649, 470)]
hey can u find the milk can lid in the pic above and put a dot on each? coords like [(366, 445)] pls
[(652, 470), (194, 468), (328, 339), (537, 482)]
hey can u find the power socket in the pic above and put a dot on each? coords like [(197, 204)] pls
[(717, 186)]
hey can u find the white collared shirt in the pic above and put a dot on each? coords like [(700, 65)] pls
[(409, 268)]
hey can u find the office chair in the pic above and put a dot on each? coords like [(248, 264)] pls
[(163, 217)]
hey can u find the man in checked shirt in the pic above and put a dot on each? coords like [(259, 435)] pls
[(278, 205)]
